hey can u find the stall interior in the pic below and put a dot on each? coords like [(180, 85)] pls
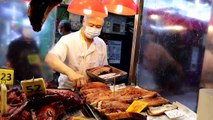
[(117, 33), (171, 52)]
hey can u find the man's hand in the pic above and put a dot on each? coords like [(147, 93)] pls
[(56, 64), (78, 80)]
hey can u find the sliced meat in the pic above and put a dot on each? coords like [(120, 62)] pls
[(93, 98), (101, 70), (156, 101), (91, 85), (94, 91), (137, 92), (113, 106), (125, 116)]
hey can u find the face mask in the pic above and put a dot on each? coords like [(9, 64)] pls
[(91, 32)]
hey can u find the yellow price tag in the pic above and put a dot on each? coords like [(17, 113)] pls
[(6, 76), (33, 59), (137, 106), (33, 86)]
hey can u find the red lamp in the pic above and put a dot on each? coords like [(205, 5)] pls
[(88, 7), (122, 7)]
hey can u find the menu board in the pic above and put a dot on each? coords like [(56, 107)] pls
[(114, 51)]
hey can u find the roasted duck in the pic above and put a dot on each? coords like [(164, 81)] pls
[(53, 105), (53, 111), (38, 11)]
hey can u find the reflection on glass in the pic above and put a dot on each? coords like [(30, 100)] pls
[(15, 25), (172, 51), (207, 70)]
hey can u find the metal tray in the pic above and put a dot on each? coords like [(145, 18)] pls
[(90, 111), (93, 112), (122, 75)]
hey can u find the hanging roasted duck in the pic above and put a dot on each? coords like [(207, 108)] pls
[(38, 11)]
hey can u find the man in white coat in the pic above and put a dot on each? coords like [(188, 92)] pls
[(78, 51)]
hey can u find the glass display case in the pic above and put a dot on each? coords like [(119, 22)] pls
[(172, 48)]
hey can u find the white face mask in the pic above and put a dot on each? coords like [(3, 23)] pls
[(91, 32)]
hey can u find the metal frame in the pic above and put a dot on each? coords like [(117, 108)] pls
[(137, 35)]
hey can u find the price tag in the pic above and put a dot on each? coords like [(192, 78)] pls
[(172, 114), (6, 76), (33, 86), (33, 59), (137, 106)]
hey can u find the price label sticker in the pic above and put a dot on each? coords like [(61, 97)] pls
[(172, 114), (6, 76), (137, 106), (33, 86), (33, 59)]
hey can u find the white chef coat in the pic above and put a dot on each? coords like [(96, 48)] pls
[(73, 51)]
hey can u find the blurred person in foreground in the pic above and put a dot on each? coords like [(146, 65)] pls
[(78, 51), (23, 57)]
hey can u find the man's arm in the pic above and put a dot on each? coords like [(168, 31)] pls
[(105, 61), (56, 64)]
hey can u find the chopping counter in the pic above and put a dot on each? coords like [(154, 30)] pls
[(95, 101)]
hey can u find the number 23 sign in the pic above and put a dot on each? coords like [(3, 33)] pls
[(6, 76)]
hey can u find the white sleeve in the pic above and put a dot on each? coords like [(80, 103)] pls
[(60, 49), (105, 62)]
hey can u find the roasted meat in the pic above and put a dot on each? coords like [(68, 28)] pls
[(93, 98), (136, 92), (107, 102), (49, 106), (38, 11), (94, 91), (92, 85), (51, 112), (15, 97), (101, 70), (155, 101), (112, 106), (24, 115), (125, 116)]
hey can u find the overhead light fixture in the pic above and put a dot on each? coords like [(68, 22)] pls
[(121, 7), (88, 7)]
